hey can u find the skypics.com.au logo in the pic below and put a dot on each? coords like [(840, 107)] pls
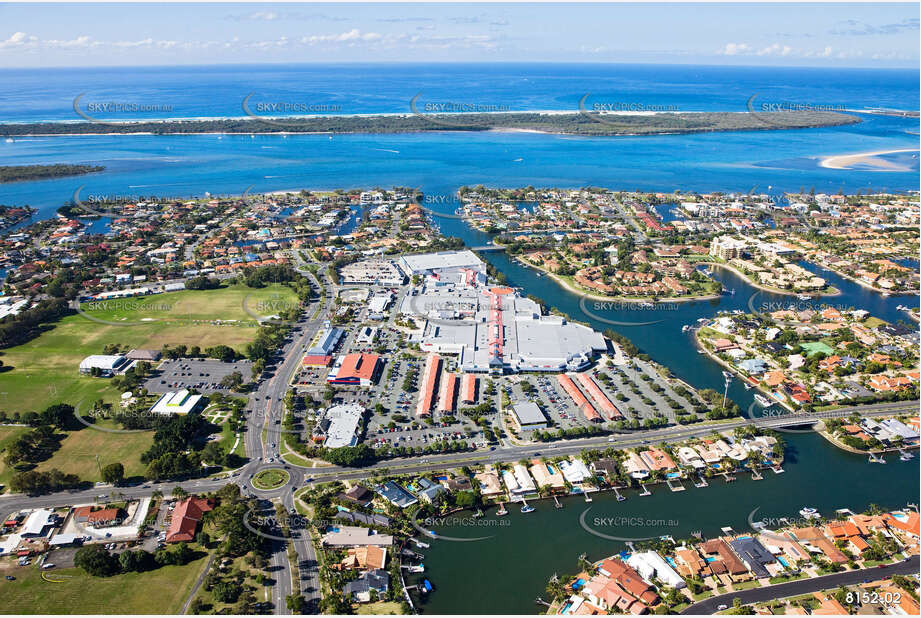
[(627, 529), (286, 113), (452, 114), (780, 114), (609, 311), (605, 112), (91, 110)]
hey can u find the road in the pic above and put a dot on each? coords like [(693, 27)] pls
[(803, 586)]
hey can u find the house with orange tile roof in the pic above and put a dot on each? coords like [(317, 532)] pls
[(885, 383), (657, 459), (813, 537)]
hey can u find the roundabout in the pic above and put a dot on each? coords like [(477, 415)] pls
[(270, 478)]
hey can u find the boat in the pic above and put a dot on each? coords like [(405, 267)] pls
[(727, 375), (804, 297), (417, 569), (762, 400), (9, 140), (685, 328), (527, 508), (809, 513), (747, 386), (426, 586), (478, 513), (502, 511)]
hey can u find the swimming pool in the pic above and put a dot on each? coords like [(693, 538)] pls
[(783, 562), (578, 584), (673, 475)]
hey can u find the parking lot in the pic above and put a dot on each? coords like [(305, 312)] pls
[(202, 374)]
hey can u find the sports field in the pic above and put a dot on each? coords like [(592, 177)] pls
[(45, 370)]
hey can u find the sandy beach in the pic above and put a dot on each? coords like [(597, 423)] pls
[(843, 162)]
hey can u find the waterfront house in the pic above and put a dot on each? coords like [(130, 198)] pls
[(848, 534), (690, 563), (354, 536), (574, 471), (369, 519), (360, 589), (546, 474), (606, 466), (631, 581), (723, 554), (489, 483), (396, 495), (689, 457), (754, 555), (525, 482), (657, 459), (365, 557), (635, 466), (778, 544), (651, 565), (708, 454), (429, 491), (815, 541), (734, 452)]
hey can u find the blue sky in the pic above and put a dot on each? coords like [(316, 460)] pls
[(828, 35)]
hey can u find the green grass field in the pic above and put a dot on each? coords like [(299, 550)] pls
[(78, 451), (162, 591), (270, 479), (46, 369)]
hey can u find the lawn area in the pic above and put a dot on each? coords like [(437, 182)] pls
[(872, 322), (271, 479), (746, 585), (7, 435), (381, 607), (45, 370), (162, 591), (814, 347), (78, 451)]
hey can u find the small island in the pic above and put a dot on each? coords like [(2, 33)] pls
[(16, 173), (571, 123)]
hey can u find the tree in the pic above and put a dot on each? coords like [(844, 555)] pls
[(296, 603), (227, 591), (114, 473), (97, 561), (60, 415), (179, 492), (213, 453)]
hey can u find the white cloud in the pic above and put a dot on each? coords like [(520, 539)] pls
[(776, 50), (735, 49), (18, 39)]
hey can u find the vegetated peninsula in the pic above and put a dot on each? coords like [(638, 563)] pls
[(14, 173), (595, 124)]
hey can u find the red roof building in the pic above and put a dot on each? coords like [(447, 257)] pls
[(185, 520), (429, 383), (468, 388), (362, 369)]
